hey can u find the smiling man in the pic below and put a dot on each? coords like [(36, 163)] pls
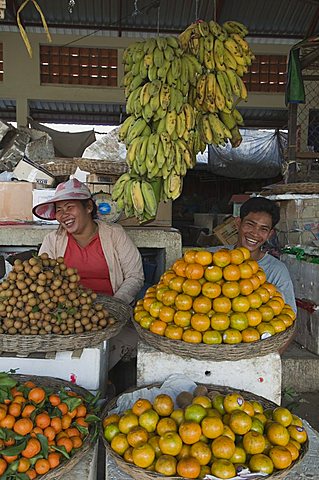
[(258, 217)]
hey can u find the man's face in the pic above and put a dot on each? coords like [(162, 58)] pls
[(254, 230)]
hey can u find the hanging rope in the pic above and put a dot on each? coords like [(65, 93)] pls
[(196, 10), (158, 20), (215, 11), (136, 10), (22, 30)]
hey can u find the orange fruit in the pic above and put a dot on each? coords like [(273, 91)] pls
[(127, 422), (213, 273), (231, 272), (255, 281), (266, 330), (179, 267), (248, 408), (229, 433), (240, 422), (74, 432), (36, 395), (221, 258), (146, 322), (32, 449), (192, 336), (238, 321), (173, 332), (42, 466), (166, 314), (163, 404), (255, 300), (246, 271), (250, 334), (168, 297), (15, 409), (178, 415), (223, 447), (8, 422), (212, 427), (137, 436), (288, 321), (296, 421), (158, 327), (212, 337), (240, 304), (182, 318), (190, 432), (261, 463), (165, 425), (192, 287), (154, 442), (176, 284), (281, 457), (254, 317), (275, 305), (233, 401), (23, 465), (155, 308), (166, 465), (43, 420), (183, 302), (289, 311), (3, 466), (160, 290), (66, 421), (170, 443), (222, 468), (294, 452), (63, 408), (264, 294), (261, 275), (246, 287), (239, 456), (222, 305), (189, 256), (143, 456), (77, 442), (236, 256), (202, 452), (245, 252), (195, 413), (254, 442), (9, 458), (140, 406), (202, 400), (149, 420), (194, 271), (56, 424), (211, 289), (231, 289), (23, 426), (139, 315), (278, 324), (188, 467), (297, 433), (200, 322), (54, 459), (267, 313), (232, 336), (31, 473), (202, 304), (220, 321), (67, 443), (203, 257), (277, 434)]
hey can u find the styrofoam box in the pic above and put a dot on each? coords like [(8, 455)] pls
[(87, 367), (304, 276), (308, 329), (260, 375)]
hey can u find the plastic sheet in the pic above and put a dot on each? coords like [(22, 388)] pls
[(260, 155), (107, 147)]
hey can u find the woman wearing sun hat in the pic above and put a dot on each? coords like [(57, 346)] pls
[(106, 259)]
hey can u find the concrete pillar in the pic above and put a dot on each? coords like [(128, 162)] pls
[(22, 111)]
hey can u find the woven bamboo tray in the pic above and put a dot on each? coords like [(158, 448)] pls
[(58, 383), (101, 166), (218, 353), (141, 474), (291, 188), (61, 167), (25, 344)]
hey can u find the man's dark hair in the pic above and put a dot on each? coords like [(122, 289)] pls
[(261, 204)]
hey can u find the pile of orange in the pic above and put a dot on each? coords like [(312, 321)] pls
[(215, 434), (39, 428), (213, 298)]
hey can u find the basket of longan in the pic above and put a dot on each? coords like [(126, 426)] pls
[(215, 306), (47, 426), (207, 430), (44, 308)]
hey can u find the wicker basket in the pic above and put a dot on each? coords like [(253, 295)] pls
[(101, 166), (218, 353), (57, 383), (61, 167), (141, 474), (302, 188), (25, 344)]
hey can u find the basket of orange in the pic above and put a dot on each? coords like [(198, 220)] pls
[(215, 306), (207, 430), (46, 426)]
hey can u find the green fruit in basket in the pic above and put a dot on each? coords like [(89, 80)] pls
[(127, 422), (149, 420), (218, 403), (257, 425), (110, 431), (195, 413)]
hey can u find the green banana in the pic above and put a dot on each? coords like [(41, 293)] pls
[(172, 42), (161, 43), (118, 187), (180, 124), (160, 157), (136, 129), (171, 119), (125, 126), (236, 27), (236, 138), (228, 119), (229, 60), (152, 145), (203, 28), (217, 127), (166, 142), (219, 98), (131, 151), (150, 201), (238, 117), (161, 127), (158, 57), (165, 96), (149, 45), (219, 54), (137, 197), (232, 77)]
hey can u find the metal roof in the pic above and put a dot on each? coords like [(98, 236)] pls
[(284, 18)]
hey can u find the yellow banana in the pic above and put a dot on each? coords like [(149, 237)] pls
[(165, 96), (210, 87), (125, 126), (209, 60), (219, 98), (200, 88), (118, 187), (242, 87), (232, 77), (229, 60), (217, 127), (189, 116), (152, 145), (236, 27), (241, 42), (180, 124), (131, 151), (238, 117), (166, 142), (150, 201), (219, 54), (137, 197), (171, 122), (206, 129)]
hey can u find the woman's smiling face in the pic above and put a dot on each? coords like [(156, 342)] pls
[(253, 231), (73, 215)]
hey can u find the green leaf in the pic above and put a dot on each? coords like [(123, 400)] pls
[(22, 476), (15, 449), (35, 309), (92, 419), (35, 458), (44, 444), (61, 450), (83, 430), (72, 403)]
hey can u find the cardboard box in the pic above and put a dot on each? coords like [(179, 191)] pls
[(98, 182), (304, 276), (16, 201), (308, 329), (227, 232), (26, 170), (162, 219)]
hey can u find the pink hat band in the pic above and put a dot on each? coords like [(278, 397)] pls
[(70, 190)]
